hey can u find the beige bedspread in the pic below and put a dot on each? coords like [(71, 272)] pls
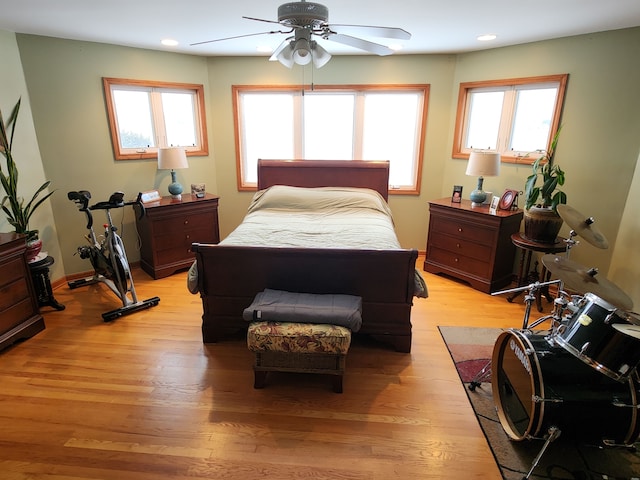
[(325, 217)]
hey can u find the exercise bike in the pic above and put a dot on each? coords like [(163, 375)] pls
[(107, 256)]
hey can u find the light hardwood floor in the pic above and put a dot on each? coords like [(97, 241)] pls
[(143, 398)]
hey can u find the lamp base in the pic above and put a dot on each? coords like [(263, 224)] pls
[(478, 196), (175, 189)]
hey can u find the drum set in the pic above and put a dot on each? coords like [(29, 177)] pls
[(581, 375)]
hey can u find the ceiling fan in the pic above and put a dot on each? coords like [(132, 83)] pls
[(306, 19)]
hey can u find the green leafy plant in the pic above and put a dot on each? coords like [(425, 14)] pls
[(552, 177), (18, 213)]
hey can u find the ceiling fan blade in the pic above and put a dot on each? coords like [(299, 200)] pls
[(261, 20), (239, 36), (360, 43), (373, 31)]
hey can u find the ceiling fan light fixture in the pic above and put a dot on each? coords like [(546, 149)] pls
[(302, 51), (320, 55), (285, 56)]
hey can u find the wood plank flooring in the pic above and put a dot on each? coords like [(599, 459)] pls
[(143, 398)]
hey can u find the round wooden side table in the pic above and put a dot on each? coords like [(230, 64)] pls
[(525, 274)]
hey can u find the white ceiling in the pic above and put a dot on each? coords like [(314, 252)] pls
[(437, 26)]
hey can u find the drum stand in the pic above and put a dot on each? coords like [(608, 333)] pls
[(553, 433)]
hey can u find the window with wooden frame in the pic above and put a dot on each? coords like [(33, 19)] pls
[(514, 117), (348, 122), (147, 115)]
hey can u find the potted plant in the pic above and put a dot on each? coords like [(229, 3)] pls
[(18, 213), (541, 220)]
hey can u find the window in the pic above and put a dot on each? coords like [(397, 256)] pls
[(513, 117), (362, 122), (144, 116)]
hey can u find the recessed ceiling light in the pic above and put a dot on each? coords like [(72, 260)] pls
[(169, 42), (486, 37), (395, 47)]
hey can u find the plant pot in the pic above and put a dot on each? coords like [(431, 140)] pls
[(33, 249), (542, 225)]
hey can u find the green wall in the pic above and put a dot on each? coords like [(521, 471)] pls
[(598, 148)]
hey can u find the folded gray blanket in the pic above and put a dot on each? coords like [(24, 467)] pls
[(281, 306)]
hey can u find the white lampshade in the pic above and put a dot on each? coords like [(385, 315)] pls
[(483, 164), (172, 158)]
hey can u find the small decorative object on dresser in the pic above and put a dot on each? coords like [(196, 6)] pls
[(169, 227), (456, 196), (198, 190), (471, 244), (509, 200)]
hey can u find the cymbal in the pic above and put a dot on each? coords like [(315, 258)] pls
[(583, 280), (583, 226)]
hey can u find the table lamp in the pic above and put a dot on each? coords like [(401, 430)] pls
[(482, 164), (171, 158)]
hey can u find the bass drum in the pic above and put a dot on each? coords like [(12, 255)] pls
[(537, 385)]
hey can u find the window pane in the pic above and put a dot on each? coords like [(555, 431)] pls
[(484, 120), (532, 120), (133, 113), (328, 126), (391, 132), (179, 119), (267, 122)]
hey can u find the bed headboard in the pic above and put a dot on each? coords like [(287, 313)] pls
[(325, 173)]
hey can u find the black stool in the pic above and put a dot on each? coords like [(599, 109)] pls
[(42, 284)]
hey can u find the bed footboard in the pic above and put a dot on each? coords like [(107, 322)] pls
[(230, 276)]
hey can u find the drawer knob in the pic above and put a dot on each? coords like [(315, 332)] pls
[(456, 260), (457, 245), (460, 229), (187, 236), (186, 222)]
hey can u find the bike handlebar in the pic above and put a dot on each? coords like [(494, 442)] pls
[(116, 200)]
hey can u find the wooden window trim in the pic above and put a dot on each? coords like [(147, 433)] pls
[(463, 97), (153, 151)]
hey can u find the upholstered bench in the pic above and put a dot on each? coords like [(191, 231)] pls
[(298, 347)]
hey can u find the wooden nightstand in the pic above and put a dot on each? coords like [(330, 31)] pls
[(19, 317), (168, 229), (471, 244)]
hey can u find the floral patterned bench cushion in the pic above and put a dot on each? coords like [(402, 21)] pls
[(298, 338)]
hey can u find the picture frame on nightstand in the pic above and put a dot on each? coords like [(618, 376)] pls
[(456, 195)]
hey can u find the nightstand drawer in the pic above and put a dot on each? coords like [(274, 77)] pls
[(202, 233), (465, 231), (471, 266), (12, 271), (459, 246), (185, 223)]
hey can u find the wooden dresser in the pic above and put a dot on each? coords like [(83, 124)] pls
[(19, 316), (471, 244), (170, 226)]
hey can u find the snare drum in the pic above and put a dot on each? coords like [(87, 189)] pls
[(590, 336), (537, 385)]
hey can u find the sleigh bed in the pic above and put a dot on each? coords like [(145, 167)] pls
[(325, 260)]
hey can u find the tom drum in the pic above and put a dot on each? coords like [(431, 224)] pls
[(537, 385), (593, 336)]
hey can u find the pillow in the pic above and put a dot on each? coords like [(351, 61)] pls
[(318, 198)]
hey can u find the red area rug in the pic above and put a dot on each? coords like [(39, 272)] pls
[(565, 458)]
